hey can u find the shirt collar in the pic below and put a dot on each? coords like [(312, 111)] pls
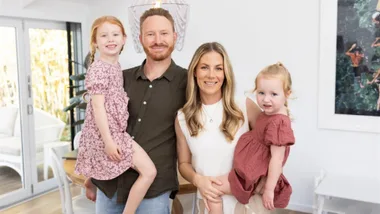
[(168, 74)]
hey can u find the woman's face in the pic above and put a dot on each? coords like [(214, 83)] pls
[(209, 74)]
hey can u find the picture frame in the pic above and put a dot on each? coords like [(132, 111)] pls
[(327, 118)]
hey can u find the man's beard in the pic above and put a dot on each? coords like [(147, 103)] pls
[(159, 56)]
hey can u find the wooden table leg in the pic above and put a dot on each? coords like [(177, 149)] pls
[(177, 207)]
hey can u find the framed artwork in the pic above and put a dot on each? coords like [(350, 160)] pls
[(349, 65)]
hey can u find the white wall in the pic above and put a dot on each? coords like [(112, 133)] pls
[(255, 33), (47, 10)]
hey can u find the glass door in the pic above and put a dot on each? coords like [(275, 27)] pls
[(34, 89), (15, 184), (47, 48)]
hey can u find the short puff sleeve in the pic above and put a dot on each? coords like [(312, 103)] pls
[(97, 78), (279, 132)]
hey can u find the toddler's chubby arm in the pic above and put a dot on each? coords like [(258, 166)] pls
[(274, 172)]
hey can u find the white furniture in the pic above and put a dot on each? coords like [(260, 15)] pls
[(60, 147), (48, 129), (76, 139), (346, 194), (79, 204)]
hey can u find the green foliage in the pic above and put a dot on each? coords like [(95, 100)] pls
[(77, 102), (355, 24), (350, 98), (364, 12)]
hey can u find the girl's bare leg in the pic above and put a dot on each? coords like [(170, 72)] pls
[(90, 189), (145, 167)]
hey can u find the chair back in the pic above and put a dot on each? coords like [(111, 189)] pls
[(76, 139), (63, 183)]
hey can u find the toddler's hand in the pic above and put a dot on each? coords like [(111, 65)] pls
[(268, 199), (113, 151)]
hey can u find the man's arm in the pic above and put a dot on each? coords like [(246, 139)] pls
[(348, 53)]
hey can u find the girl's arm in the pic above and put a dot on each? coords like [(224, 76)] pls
[(203, 183), (97, 101), (274, 172), (253, 111)]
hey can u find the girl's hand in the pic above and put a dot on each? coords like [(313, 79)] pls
[(268, 199), (113, 151), (208, 192)]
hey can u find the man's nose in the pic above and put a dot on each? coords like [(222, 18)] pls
[(157, 39)]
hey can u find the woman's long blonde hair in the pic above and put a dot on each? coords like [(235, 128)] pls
[(97, 23), (233, 117)]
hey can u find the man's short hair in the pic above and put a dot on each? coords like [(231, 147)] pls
[(156, 12)]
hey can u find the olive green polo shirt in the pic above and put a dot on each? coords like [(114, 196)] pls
[(152, 107)]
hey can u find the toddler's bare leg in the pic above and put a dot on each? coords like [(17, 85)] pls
[(145, 167), (225, 187), (260, 187), (215, 208)]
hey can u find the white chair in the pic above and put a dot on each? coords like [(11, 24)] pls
[(77, 205), (76, 145), (328, 204), (76, 139)]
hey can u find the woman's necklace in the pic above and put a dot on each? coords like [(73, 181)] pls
[(213, 112)]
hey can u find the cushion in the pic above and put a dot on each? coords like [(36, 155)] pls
[(17, 128), (8, 117), (41, 121), (47, 134), (3, 136), (12, 146)]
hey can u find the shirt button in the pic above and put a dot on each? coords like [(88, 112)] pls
[(144, 102), (150, 86), (139, 120), (133, 137)]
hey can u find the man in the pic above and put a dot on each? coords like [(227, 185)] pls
[(356, 57), (157, 90)]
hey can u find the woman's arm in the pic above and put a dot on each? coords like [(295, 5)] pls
[(274, 172), (101, 121), (184, 156), (253, 111), (203, 183)]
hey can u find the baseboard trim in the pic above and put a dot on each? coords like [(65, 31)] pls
[(300, 208)]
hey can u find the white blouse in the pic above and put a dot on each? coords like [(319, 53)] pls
[(212, 154)]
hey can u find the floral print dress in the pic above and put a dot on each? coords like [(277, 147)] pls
[(105, 79)]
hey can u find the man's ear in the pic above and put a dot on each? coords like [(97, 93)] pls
[(175, 36)]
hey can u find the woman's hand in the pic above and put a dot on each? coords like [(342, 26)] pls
[(113, 151), (268, 199), (208, 192)]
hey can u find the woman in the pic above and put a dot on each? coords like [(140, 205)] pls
[(208, 127)]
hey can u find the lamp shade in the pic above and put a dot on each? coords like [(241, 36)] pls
[(179, 10)]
